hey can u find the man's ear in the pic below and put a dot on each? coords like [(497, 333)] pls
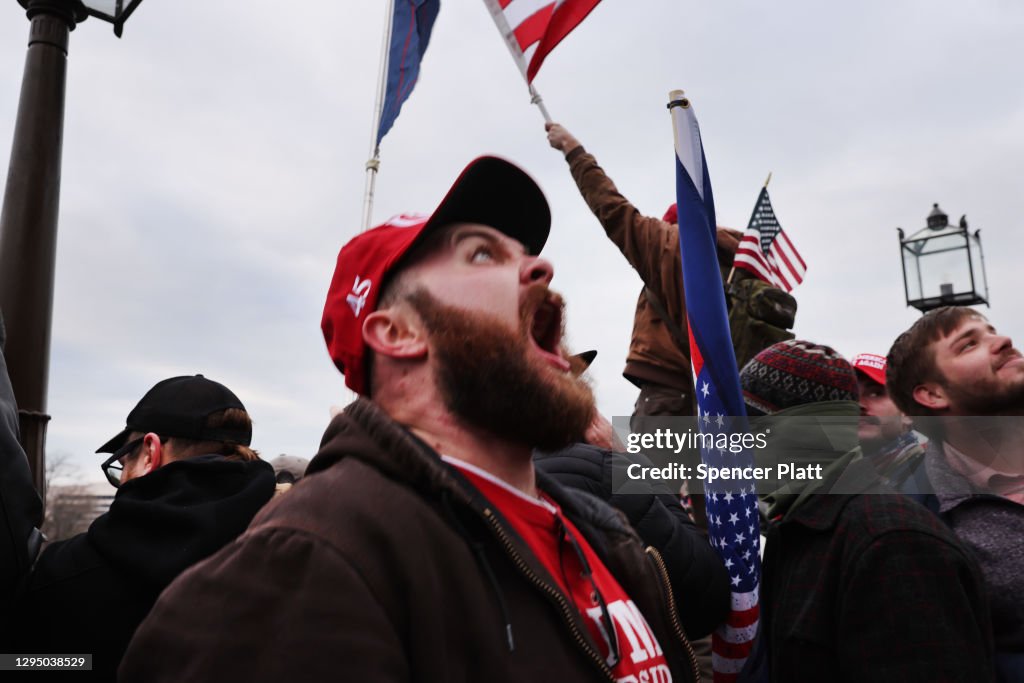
[(152, 453), (931, 395), (396, 332)]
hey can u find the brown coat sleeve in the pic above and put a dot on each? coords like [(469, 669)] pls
[(649, 244), (216, 621)]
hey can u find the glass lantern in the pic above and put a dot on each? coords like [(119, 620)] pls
[(943, 264)]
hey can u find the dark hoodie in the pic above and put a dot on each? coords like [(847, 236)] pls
[(87, 594)]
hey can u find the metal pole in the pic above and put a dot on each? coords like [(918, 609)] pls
[(28, 220), (373, 164), (903, 264), (981, 255), (970, 264), (536, 99)]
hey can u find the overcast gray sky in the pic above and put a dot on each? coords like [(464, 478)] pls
[(213, 165)]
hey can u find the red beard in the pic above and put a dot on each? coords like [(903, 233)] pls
[(488, 379)]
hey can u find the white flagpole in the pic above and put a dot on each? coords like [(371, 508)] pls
[(535, 99), (374, 162), (498, 14)]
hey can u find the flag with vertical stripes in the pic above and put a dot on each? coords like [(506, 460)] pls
[(411, 24), (532, 28), (766, 251), (733, 527)]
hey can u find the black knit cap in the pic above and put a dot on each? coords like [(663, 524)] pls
[(179, 407), (795, 372)]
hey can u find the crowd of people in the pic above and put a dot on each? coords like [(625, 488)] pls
[(461, 520)]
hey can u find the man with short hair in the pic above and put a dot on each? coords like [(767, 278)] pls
[(967, 381), (422, 544), (886, 435), (187, 484)]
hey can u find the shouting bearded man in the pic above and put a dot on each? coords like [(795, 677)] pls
[(422, 544)]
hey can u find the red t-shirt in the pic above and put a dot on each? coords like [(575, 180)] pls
[(551, 537)]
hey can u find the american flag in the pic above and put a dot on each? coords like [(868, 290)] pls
[(411, 24), (733, 526), (766, 251), (535, 27)]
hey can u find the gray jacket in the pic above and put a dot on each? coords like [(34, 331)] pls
[(992, 527)]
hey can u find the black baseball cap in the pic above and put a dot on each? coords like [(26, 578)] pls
[(179, 407)]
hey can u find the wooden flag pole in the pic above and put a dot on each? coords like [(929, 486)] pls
[(373, 165)]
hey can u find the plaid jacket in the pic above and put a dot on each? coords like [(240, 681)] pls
[(871, 587)]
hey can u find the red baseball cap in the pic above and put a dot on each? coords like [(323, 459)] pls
[(872, 365), (490, 191), (671, 214)]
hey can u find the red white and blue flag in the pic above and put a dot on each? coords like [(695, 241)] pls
[(411, 24), (766, 250), (532, 28), (733, 526)]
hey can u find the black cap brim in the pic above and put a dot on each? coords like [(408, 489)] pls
[(115, 443), (495, 192)]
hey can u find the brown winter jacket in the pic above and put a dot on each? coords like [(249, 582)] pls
[(382, 564), (652, 247)]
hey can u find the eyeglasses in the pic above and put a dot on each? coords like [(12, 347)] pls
[(113, 467)]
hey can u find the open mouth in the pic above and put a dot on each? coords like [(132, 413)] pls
[(546, 331)]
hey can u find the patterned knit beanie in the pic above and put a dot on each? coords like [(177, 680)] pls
[(795, 372)]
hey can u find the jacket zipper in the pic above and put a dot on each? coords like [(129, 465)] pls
[(567, 611), (673, 613)]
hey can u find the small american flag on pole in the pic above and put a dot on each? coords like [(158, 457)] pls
[(536, 27), (766, 251)]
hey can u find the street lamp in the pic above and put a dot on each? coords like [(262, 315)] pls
[(28, 220), (943, 264), (114, 11)]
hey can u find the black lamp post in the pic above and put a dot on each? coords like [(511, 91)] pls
[(943, 264), (28, 221)]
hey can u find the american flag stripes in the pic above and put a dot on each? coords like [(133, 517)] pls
[(535, 27), (766, 251), (733, 525)]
